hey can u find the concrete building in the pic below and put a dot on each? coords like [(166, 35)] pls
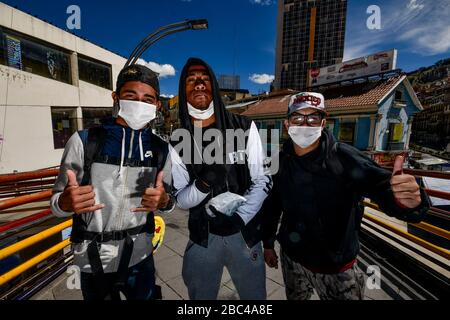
[(310, 35), (232, 95), (373, 115), (52, 83)]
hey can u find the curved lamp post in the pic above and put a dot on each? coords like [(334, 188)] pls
[(162, 32)]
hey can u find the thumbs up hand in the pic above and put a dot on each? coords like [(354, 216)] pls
[(154, 198), (404, 186), (78, 199)]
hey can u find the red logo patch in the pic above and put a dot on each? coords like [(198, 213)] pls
[(315, 101)]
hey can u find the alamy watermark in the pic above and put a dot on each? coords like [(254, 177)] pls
[(74, 20), (374, 20), (230, 147), (373, 281)]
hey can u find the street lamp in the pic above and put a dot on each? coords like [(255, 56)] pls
[(162, 32)]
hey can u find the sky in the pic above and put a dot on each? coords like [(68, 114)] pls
[(242, 33)]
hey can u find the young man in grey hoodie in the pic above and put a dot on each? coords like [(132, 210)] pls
[(112, 179)]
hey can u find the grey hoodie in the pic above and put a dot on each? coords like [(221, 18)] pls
[(118, 187)]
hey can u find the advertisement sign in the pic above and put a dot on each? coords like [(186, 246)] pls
[(356, 68), (387, 158)]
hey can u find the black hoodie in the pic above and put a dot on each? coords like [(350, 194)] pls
[(246, 178), (319, 195)]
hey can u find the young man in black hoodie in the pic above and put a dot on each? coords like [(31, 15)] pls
[(318, 188), (229, 238)]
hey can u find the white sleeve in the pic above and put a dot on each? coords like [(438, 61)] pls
[(168, 183), (261, 183), (73, 159), (187, 195)]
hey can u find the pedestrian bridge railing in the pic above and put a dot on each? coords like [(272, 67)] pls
[(9, 183)]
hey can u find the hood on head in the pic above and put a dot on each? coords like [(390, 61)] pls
[(222, 115)]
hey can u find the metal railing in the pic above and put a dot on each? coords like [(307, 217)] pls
[(37, 238), (27, 183), (421, 242)]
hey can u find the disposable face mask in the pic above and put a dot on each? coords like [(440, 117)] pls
[(226, 203), (201, 114), (305, 136), (137, 114)]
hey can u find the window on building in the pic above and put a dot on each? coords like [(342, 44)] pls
[(64, 122), (95, 72), (395, 136), (347, 133), (395, 132), (34, 56), (399, 96), (2, 48), (330, 126), (92, 117)]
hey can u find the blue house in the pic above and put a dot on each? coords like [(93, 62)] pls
[(373, 114)]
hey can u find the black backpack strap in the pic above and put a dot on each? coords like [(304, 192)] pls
[(93, 145), (93, 140)]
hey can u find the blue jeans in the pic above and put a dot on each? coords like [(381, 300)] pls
[(140, 284), (203, 268)]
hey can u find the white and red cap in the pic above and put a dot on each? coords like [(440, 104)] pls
[(304, 100)]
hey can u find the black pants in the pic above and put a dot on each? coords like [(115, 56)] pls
[(140, 284)]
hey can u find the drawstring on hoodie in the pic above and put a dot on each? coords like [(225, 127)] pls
[(141, 148), (122, 154)]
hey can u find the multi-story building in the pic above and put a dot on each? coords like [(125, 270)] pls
[(227, 82), (310, 34), (431, 127), (52, 83)]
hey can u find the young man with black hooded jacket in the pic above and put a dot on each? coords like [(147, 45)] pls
[(219, 239), (317, 190)]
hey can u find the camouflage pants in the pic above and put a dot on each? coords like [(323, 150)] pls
[(300, 282)]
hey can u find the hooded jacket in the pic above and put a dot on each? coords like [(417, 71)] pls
[(119, 176), (243, 164), (318, 196)]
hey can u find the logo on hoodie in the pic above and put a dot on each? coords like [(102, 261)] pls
[(148, 154)]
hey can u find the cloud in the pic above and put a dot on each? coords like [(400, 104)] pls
[(170, 96), (262, 2), (164, 70), (261, 78), (413, 5), (417, 26)]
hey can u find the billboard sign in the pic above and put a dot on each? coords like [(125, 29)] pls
[(355, 68)]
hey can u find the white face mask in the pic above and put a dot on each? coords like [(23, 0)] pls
[(137, 114), (305, 136), (201, 114)]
